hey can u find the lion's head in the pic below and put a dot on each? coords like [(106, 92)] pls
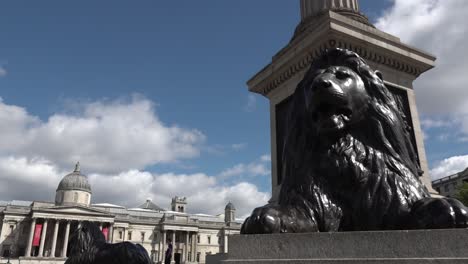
[(348, 137), (341, 94)]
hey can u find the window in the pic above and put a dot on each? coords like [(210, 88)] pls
[(198, 239), (129, 235), (75, 197), (209, 239), (189, 256), (120, 234), (219, 240), (142, 236), (198, 256)]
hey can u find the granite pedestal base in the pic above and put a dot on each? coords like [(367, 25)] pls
[(408, 247)]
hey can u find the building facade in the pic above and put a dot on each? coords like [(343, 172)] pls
[(38, 232), (448, 186)]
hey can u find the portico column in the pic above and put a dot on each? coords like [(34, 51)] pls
[(65, 241), (110, 234), (31, 236), (225, 243), (194, 242), (43, 235), (54, 239), (186, 246), (173, 245), (163, 248)]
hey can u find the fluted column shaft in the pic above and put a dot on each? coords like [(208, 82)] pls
[(173, 245), (163, 250), (186, 246), (43, 236), (65, 241), (110, 233), (30, 239), (54, 239)]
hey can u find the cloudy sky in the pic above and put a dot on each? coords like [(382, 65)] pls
[(151, 98)]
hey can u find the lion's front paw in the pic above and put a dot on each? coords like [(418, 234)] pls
[(435, 213), (264, 220)]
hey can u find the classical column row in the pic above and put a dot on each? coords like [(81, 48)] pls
[(163, 245), (43, 238)]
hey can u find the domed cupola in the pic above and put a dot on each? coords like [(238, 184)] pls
[(229, 213), (74, 189), (230, 206)]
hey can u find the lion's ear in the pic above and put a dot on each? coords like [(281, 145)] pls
[(379, 74)]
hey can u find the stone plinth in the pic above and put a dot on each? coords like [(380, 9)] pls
[(419, 246)]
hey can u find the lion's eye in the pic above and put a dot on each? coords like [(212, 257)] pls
[(342, 75)]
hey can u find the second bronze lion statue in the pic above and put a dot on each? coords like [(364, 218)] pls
[(87, 245), (348, 161)]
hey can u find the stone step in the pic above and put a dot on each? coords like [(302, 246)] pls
[(406, 247), (353, 261)]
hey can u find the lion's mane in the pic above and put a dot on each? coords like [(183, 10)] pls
[(363, 178)]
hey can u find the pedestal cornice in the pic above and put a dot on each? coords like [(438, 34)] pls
[(335, 30)]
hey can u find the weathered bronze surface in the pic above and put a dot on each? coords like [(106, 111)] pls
[(87, 245), (348, 161)]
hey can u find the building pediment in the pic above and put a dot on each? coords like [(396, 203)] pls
[(79, 213)]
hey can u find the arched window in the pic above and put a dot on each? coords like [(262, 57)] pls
[(75, 197)]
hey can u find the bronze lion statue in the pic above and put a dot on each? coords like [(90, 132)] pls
[(348, 160), (87, 245)]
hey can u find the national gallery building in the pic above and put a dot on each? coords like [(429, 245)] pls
[(38, 232)]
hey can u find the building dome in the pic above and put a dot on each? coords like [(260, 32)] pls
[(74, 189), (75, 181), (230, 206)]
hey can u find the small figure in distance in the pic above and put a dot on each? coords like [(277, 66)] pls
[(168, 256), (87, 245)]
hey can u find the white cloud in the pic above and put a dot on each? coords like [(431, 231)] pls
[(256, 168), (436, 123), (37, 179), (22, 178), (204, 193), (239, 146), (266, 158), (449, 166), (106, 137), (439, 27), (3, 71), (251, 103)]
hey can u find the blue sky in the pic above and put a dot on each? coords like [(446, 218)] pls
[(72, 73)]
